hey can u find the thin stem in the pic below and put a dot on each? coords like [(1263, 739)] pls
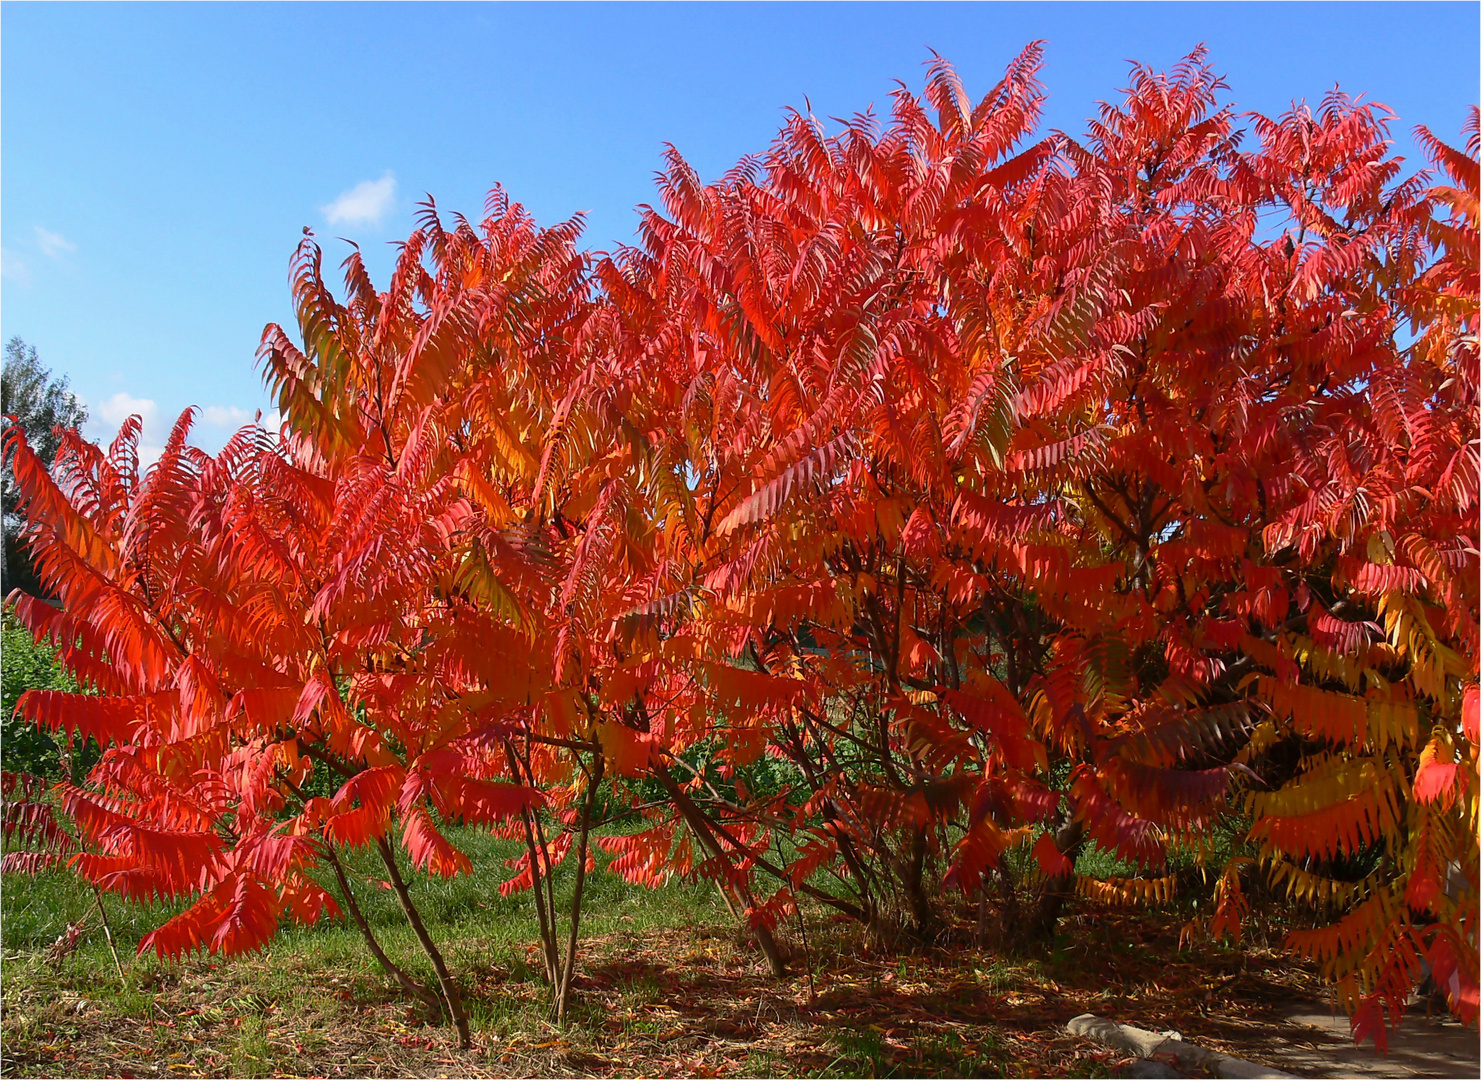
[(591, 794), (410, 985), (544, 846), (444, 977), (812, 988), (107, 931), (704, 830), (547, 918), (708, 826)]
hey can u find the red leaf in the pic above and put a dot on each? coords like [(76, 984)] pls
[(1051, 860), (628, 752), (429, 849)]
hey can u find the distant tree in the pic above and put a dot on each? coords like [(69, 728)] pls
[(40, 404)]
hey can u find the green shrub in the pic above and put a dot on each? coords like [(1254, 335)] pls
[(25, 665)]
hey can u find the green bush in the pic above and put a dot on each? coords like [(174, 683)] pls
[(25, 665)]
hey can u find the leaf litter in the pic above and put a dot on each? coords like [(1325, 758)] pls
[(667, 1002)]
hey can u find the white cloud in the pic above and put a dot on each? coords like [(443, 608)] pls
[(14, 268), (121, 406), (235, 417), (226, 416), (108, 416), (53, 245), (215, 424), (364, 204)]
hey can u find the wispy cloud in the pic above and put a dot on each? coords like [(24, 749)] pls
[(53, 245), (109, 415), (364, 204), (234, 417), (215, 424), (227, 416), (14, 268)]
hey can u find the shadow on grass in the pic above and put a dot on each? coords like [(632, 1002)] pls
[(666, 987)]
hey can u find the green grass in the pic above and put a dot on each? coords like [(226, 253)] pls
[(34, 912), (667, 985), (278, 1010)]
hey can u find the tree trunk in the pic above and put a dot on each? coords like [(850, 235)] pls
[(1008, 914), (548, 943), (739, 894), (410, 985), (444, 977), (1069, 838), (915, 886), (563, 996)]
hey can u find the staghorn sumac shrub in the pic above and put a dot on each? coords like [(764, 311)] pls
[(1011, 494)]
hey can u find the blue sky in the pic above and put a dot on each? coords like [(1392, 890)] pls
[(157, 162)]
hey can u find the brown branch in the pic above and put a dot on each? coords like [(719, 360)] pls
[(591, 793), (410, 985), (414, 917), (547, 918)]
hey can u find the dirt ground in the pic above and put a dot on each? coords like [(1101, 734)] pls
[(1318, 1044), (670, 1003)]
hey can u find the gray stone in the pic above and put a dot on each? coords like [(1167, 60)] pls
[(1152, 1070), (1169, 1046)]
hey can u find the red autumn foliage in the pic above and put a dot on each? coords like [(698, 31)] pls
[(1008, 496)]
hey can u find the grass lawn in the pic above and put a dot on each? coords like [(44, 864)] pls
[(666, 986)]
